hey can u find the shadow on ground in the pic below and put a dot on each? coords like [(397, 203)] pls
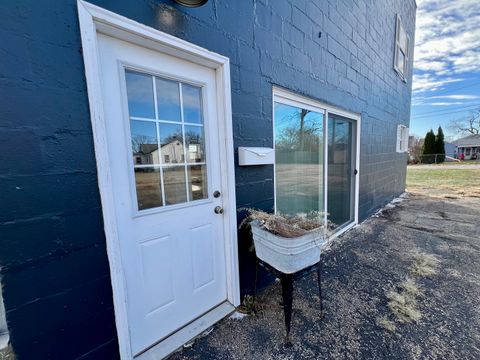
[(360, 270)]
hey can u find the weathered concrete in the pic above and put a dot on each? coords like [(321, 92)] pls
[(359, 270)]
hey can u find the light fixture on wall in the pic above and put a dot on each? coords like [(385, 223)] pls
[(191, 3)]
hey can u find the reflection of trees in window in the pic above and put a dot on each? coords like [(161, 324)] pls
[(139, 142), (177, 136), (339, 133), (193, 137), (302, 134)]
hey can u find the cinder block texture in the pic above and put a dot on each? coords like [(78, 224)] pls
[(55, 273)]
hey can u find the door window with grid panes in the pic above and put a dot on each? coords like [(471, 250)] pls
[(168, 142)]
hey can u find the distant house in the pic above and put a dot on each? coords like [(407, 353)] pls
[(469, 146)]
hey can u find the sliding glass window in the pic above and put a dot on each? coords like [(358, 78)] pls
[(299, 159), (315, 160), (341, 170)]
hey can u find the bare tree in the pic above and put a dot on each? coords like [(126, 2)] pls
[(469, 125), (415, 147), (139, 140)]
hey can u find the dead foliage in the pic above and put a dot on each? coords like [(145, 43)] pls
[(402, 302), (404, 306), (283, 225), (424, 265), (386, 323)]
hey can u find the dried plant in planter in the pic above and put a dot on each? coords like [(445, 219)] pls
[(284, 225)]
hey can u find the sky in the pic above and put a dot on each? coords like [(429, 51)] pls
[(446, 75)]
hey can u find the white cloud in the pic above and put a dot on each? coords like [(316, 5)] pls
[(431, 82), (447, 42), (456, 97), (445, 103)]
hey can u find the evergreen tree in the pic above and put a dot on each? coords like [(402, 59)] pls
[(429, 148), (440, 145)]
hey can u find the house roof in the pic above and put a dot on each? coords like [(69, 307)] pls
[(472, 140), (148, 148)]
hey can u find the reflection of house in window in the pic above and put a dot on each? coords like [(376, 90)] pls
[(146, 154), (194, 153), (173, 151)]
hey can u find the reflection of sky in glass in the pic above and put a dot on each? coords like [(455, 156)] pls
[(143, 132), (192, 109), (287, 117), (169, 133), (288, 126), (140, 94), (168, 100), (298, 159)]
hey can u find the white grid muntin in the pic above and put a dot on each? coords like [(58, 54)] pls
[(161, 165)]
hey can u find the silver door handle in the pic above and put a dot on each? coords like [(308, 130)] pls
[(218, 210)]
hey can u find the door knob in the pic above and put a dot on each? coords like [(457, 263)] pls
[(355, 172), (218, 210)]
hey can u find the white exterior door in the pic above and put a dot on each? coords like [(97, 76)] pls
[(163, 147)]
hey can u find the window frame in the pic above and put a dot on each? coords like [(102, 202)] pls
[(123, 68), (399, 28), (288, 97)]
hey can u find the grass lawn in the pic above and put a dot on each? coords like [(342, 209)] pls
[(462, 181), (465, 162)]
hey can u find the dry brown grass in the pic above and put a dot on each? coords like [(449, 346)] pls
[(424, 265), (403, 302), (410, 287), (7, 354), (285, 226), (386, 323), (404, 306)]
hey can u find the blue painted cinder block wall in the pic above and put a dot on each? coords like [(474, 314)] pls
[(53, 258)]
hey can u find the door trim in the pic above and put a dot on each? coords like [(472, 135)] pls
[(93, 20)]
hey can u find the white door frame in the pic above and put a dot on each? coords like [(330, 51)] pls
[(93, 20)]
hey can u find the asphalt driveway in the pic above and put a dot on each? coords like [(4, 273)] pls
[(405, 284)]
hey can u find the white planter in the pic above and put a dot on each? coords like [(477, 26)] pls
[(287, 255)]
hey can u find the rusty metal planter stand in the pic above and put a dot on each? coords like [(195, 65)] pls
[(287, 281)]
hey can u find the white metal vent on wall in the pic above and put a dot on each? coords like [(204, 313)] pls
[(402, 138)]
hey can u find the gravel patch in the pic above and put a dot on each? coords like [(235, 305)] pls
[(424, 243)]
